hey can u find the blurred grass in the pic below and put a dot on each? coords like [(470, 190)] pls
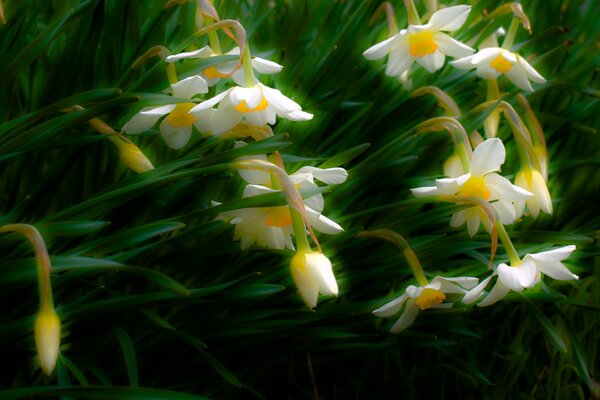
[(125, 247)]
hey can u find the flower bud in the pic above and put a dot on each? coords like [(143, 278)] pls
[(312, 273), (47, 339), (133, 157), (533, 181)]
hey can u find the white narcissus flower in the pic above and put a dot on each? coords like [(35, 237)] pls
[(313, 274), (525, 275), (425, 44), (223, 70), (483, 182), (176, 128), (495, 61), (258, 105), (421, 298), (533, 181), (271, 227)]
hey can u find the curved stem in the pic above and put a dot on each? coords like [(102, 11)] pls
[(512, 33), (513, 257)]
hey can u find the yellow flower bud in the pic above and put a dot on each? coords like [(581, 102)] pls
[(47, 339), (312, 273), (133, 157)]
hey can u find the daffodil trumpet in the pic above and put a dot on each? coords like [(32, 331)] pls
[(47, 323)]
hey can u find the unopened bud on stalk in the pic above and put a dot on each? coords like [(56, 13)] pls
[(312, 273), (132, 157), (47, 338)]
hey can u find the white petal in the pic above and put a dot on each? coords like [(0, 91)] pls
[(463, 63), (540, 190), (531, 72), (265, 66), (224, 119), (506, 211), (425, 191), (486, 72), (307, 286), (190, 86), (174, 137), (204, 52), (319, 267), (473, 217), (407, 318), (322, 223), (449, 19), (160, 111), (381, 49), (553, 255), (333, 176), (255, 190), (203, 120), (447, 186), (141, 122), (391, 308), (556, 270), (316, 202), (458, 219), (519, 277), (488, 157), (399, 61), (210, 102), (456, 284), (282, 104), (484, 56), (251, 95), (498, 292), (518, 76), (450, 46), (431, 62), (299, 115), (473, 294), (501, 188)]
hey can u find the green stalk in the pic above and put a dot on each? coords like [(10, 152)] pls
[(247, 64), (512, 33), (213, 37), (513, 257)]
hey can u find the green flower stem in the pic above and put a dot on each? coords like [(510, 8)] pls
[(42, 261), (247, 65), (512, 33), (213, 37), (402, 245), (412, 13), (172, 73), (508, 245), (463, 154), (299, 231)]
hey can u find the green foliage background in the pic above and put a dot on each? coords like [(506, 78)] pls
[(156, 300)]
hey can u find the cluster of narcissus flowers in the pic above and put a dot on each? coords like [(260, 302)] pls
[(244, 109), (473, 171)]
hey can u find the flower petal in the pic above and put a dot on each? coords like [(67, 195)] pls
[(381, 49), (204, 52), (473, 294), (322, 223), (450, 46), (519, 277), (142, 122), (175, 137), (391, 308), (251, 95), (299, 115), (425, 191), (333, 176), (449, 19), (518, 76), (431, 62), (498, 292), (488, 157), (399, 61), (210, 102), (319, 268), (407, 318), (265, 66), (188, 87), (553, 255), (501, 188), (530, 71)]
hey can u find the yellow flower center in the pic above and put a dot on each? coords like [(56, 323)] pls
[(474, 187), (430, 297), (243, 107), (180, 116), (421, 44), (501, 64), (278, 216), (212, 72)]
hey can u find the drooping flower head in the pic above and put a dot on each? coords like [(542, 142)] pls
[(228, 68), (176, 128), (425, 44), (524, 275), (313, 274), (492, 62), (420, 298), (532, 180), (483, 182), (257, 105), (271, 227)]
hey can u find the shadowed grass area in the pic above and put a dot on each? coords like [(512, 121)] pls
[(156, 299)]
